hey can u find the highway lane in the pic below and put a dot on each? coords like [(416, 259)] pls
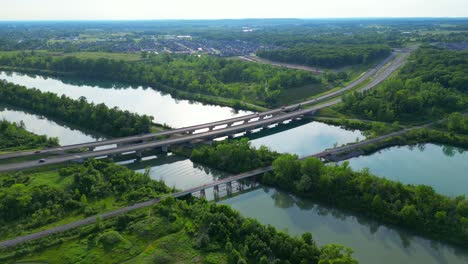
[(246, 118), (206, 135), (166, 142), (245, 175)]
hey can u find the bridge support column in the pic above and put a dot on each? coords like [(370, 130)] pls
[(240, 186), (216, 192), (165, 148), (230, 136), (202, 193), (229, 188), (139, 155)]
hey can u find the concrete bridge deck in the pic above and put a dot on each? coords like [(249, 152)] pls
[(296, 112), (229, 122), (238, 177)]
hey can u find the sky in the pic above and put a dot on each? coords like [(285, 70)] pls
[(231, 9)]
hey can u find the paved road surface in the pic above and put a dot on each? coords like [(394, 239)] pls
[(396, 64), (218, 132), (249, 174)]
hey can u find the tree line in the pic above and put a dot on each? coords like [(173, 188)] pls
[(26, 205), (417, 207), (208, 75), (15, 137), (448, 68), (216, 232), (433, 83), (409, 99), (100, 118), (329, 56), (458, 123)]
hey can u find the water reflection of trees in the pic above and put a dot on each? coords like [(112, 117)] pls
[(285, 200), (217, 174)]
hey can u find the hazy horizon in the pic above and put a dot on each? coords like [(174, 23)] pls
[(107, 10)]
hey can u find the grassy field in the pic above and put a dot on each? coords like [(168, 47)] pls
[(127, 247), (107, 55), (53, 179), (302, 93), (85, 55)]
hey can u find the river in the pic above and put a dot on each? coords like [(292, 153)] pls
[(163, 107), (445, 168), (41, 125), (372, 243)]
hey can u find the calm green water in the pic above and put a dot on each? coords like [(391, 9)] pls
[(445, 168), (163, 107), (308, 139), (372, 244), (42, 126)]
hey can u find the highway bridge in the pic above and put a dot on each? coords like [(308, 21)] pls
[(199, 189), (380, 76), (234, 126)]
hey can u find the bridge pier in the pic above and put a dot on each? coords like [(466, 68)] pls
[(240, 186), (202, 193), (216, 192), (139, 155), (229, 188), (165, 148)]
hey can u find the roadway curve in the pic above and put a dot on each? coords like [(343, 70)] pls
[(132, 139), (230, 130)]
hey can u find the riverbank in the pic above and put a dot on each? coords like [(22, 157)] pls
[(171, 230), (100, 118), (207, 99), (342, 187), (14, 137)]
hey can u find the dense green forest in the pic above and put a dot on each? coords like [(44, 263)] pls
[(15, 137), (252, 82), (100, 118), (27, 202), (432, 84), (233, 156), (171, 231), (418, 208), (458, 123), (329, 56), (447, 67)]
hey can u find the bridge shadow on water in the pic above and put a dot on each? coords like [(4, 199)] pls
[(281, 127)]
